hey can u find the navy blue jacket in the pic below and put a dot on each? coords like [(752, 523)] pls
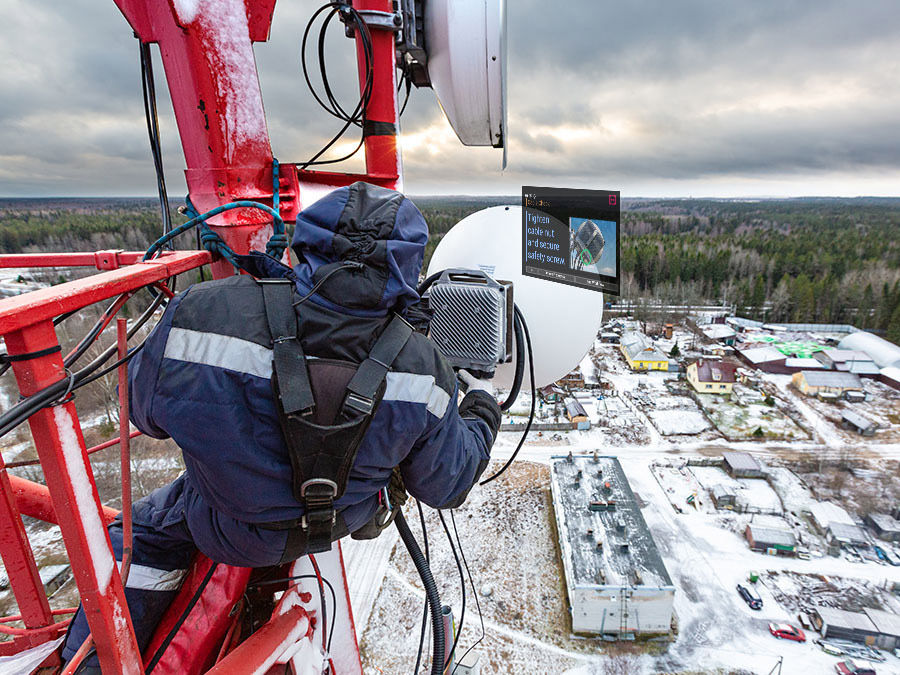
[(203, 376)]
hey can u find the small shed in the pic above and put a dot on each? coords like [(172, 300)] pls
[(770, 540), (723, 496), (885, 526), (720, 332), (844, 534), (742, 465), (825, 513), (852, 420), (575, 412), (574, 379), (888, 626), (839, 624)]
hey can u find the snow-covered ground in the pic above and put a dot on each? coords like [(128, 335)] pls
[(678, 422)]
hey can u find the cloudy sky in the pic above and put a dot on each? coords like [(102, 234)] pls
[(688, 98)]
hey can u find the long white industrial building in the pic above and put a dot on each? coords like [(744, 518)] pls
[(615, 578)]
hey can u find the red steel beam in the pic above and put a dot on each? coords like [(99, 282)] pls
[(33, 499), (102, 260), (61, 449), (382, 153), (18, 558), (259, 652), (31, 308)]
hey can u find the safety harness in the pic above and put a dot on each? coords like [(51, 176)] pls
[(324, 408)]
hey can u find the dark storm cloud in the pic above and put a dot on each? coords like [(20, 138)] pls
[(630, 93)]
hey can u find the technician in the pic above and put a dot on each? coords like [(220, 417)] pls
[(223, 375)]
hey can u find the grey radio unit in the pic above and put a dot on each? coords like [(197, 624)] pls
[(473, 319)]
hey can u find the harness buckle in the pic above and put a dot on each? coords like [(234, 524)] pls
[(318, 495), (360, 403)]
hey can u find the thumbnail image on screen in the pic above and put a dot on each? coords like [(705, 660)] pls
[(592, 246), (571, 236)]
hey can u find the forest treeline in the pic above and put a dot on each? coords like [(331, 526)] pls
[(824, 260), (832, 261)]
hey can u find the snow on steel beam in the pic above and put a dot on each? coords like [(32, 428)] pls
[(60, 446), (260, 651)]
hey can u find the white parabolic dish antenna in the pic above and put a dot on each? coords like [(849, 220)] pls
[(563, 320), (466, 44)]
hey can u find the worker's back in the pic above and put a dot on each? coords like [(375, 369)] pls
[(204, 376)]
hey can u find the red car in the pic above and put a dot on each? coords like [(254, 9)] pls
[(786, 631), (850, 667)]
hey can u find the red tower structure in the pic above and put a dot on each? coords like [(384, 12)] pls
[(207, 53)]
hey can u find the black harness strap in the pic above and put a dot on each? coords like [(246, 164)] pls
[(323, 440), (370, 375), (288, 359)]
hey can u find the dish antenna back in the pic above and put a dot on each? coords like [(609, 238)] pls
[(458, 48)]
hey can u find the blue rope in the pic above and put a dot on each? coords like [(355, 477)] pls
[(212, 242), (278, 242)]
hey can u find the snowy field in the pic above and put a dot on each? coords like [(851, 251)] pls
[(745, 416), (678, 422)]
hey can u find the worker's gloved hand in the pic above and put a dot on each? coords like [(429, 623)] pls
[(474, 384)]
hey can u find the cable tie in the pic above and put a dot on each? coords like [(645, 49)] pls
[(6, 358)]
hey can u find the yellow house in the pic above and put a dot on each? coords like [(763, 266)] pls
[(711, 377), (640, 353)]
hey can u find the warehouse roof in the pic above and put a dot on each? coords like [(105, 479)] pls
[(581, 528), (803, 363), (770, 535), (761, 354), (891, 373), (881, 351), (843, 355), (831, 378)]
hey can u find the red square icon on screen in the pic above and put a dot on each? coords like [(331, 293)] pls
[(612, 200)]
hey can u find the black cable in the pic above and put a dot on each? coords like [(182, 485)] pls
[(184, 615), (425, 285), (425, 607), (298, 577), (431, 592), (520, 366), (47, 396), (333, 107), (405, 79), (320, 579), (519, 317), (462, 588), (474, 593), (151, 114)]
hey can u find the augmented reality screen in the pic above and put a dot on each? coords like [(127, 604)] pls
[(571, 236)]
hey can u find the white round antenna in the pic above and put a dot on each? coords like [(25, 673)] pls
[(466, 45), (563, 320)]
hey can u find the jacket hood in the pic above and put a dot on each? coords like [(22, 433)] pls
[(380, 230)]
